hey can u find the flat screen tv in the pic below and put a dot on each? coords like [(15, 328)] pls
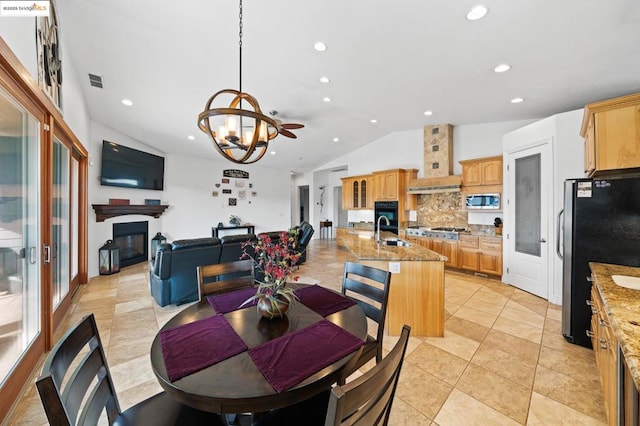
[(130, 168)]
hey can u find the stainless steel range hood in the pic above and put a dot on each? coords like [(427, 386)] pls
[(435, 185)]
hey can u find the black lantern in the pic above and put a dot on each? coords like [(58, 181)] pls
[(109, 258), (155, 243)]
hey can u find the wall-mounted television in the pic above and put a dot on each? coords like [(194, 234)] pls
[(130, 168)]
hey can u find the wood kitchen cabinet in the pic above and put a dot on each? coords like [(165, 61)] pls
[(605, 348), (480, 254), (386, 185), (611, 131), (482, 171), (356, 193)]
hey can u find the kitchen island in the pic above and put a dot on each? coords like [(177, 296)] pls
[(416, 294)]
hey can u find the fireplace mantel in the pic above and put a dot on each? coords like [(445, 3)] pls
[(107, 211)]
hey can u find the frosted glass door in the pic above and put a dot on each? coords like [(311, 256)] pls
[(528, 205), (19, 232)]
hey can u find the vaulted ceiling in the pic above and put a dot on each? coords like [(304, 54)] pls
[(386, 60)]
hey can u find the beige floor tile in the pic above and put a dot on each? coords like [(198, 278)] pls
[(553, 326), (585, 397), (461, 409), (518, 329), (580, 367), (522, 313), (545, 411), (138, 393), (476, 316), (438, 362), (554, 312), (511, 344), (402, 414), (484, 306), (131, 373), (460, 346), (421, 390), (469, 329), (506, 365), (505, 396)]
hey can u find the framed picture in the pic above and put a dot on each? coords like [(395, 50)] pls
[(225, 180), (239, 183), (242, 194), (233, 202), (214, 193), (254, 193), (48, 51)]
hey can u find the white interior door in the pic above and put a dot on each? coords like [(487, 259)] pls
[(529, 175)]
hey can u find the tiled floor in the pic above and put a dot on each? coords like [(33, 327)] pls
[(503, 359)]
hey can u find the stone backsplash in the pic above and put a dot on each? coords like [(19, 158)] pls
[(443, 209)]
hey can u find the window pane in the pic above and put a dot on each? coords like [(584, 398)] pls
[(60, 246), (527, 206), (19, 232)]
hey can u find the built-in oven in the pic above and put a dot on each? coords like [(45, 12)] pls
[(388, 209)]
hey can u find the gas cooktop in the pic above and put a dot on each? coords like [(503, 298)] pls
[(444, 232)]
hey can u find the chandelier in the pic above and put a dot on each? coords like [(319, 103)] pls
[(240, 131)]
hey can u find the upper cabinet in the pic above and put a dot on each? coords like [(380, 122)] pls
[(357, 192), (360, 192), (611, 131), (482, 174)]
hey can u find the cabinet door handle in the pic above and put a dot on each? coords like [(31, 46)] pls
[(589, 302), (603, 323), (589, 333)]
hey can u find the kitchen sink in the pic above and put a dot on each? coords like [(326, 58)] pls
[(395, 242), (627, 281)]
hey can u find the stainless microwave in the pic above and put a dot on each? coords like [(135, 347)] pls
[(482, 201)]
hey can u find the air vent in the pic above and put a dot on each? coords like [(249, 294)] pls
[(95, 81)]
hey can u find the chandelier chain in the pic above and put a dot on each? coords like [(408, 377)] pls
[(240, 44)]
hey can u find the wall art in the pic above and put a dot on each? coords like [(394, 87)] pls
[(239, 183), (242, 195), (233, 202), (226, 191), (225, 180)]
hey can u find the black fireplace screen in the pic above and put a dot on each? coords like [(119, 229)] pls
[(133, 240)]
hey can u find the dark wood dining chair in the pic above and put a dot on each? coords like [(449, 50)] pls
[(369, 288), (364, 401), (75, 387), (225, 277)]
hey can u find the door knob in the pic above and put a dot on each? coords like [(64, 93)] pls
[(542, 240)]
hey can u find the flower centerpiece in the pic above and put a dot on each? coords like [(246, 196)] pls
[(275, 262)]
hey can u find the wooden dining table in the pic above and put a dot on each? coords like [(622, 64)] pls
[(236, 384)]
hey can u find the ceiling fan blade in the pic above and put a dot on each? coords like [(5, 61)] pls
[(285, 132), (292, 126)]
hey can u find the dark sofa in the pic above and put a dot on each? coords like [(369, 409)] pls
[(173, 277)]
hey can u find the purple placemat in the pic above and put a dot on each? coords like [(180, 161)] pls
[(288, 360), (323, 301), (194, 346), (227, 302)]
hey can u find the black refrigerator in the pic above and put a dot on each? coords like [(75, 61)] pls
[(601, 223)]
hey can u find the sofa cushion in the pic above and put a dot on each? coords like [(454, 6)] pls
[(194, 242)]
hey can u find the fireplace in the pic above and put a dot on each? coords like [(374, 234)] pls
[(133, 240)]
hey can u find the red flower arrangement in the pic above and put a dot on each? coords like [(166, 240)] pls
[(275, 261)]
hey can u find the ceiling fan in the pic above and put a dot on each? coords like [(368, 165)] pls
[(283, 128)]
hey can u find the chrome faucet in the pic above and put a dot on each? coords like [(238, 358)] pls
[(378, 228)]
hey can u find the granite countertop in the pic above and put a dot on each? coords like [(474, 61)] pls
[(623, 307), (363, 246)]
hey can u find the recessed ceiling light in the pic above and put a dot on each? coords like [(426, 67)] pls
[(374, 121), (191, 137), (320, 46), (127, 102), (336, 139), (324, 79), (477, 12), (272, 153), (502, 68), (428, 113), (516, 100), (326, 99)]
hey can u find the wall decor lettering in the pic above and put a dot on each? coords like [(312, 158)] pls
[(235, 173), (226, 191)]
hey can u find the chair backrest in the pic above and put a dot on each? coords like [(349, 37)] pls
[(225, 277), (75, 385), (367, 400), (369, 288)]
